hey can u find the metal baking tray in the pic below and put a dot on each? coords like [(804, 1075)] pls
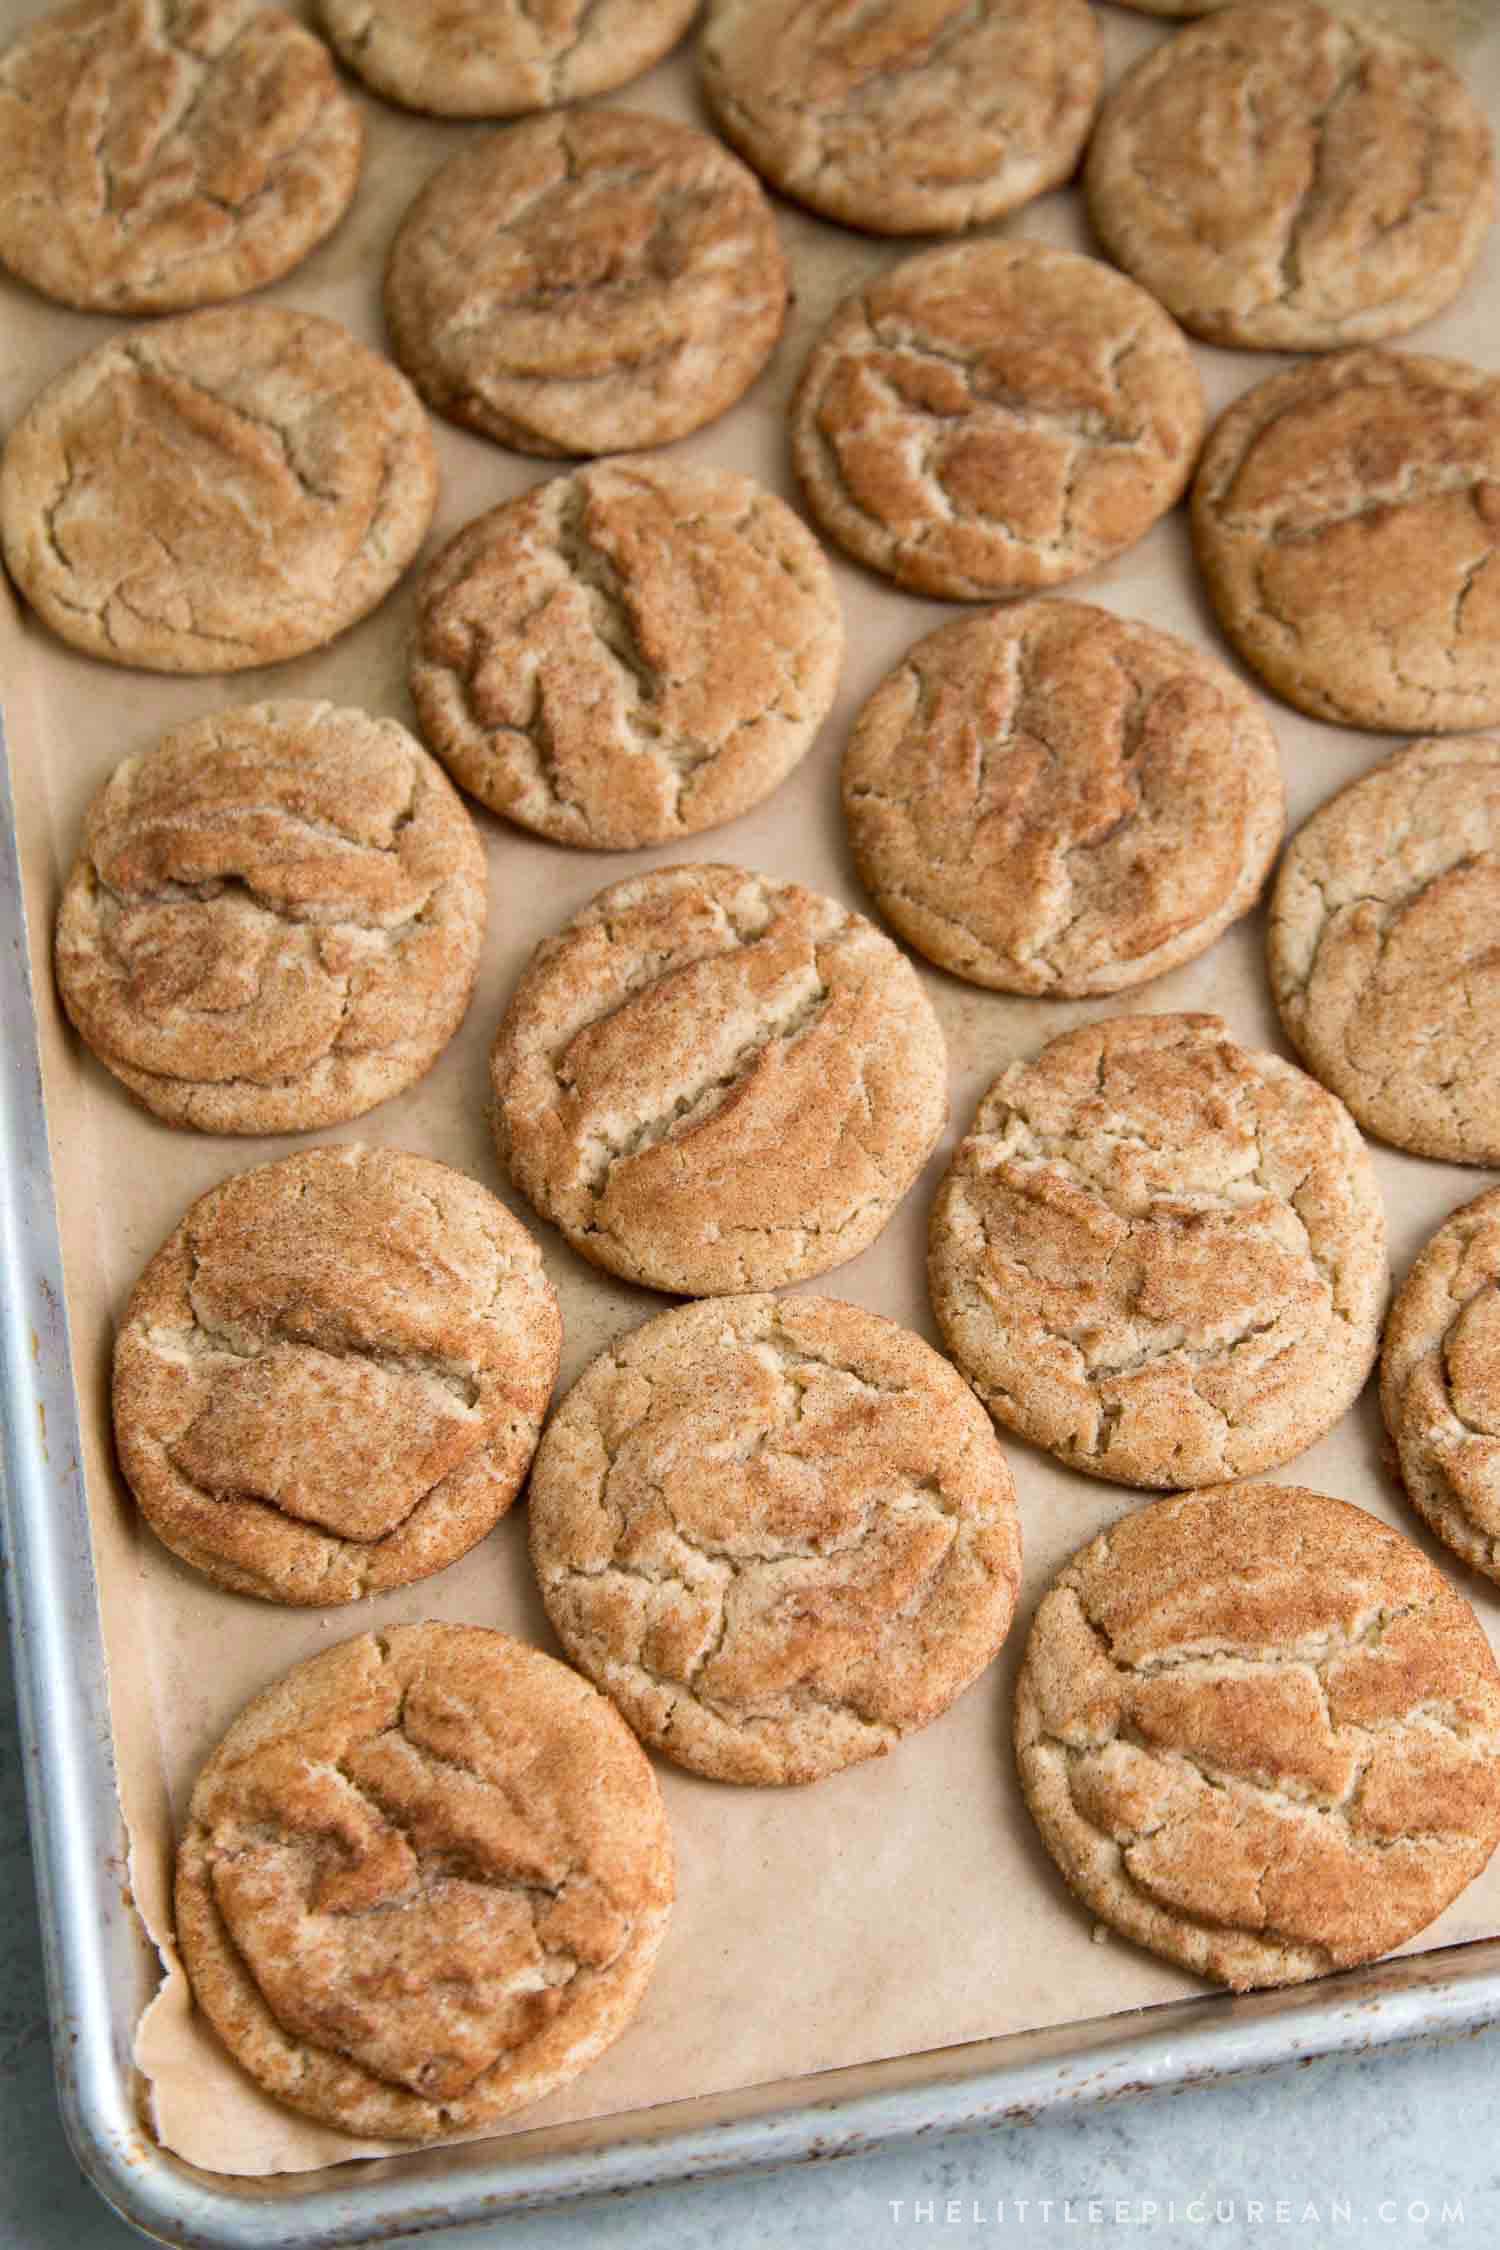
[(101, 1968)]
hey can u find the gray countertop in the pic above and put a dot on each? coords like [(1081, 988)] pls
[(1394, 2149)]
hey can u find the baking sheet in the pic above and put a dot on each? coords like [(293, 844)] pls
[(899, 1907)]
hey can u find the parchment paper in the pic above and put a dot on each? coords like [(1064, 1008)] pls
[(901, 1906)]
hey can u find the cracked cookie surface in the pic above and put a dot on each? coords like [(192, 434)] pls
[(994, 418), (166, 153), (331, 1377), (499, 58), (1346, 519), (1260, 1734), (587, 283), (218, 491), (1159, 1255), (1440, 1383), (423, 1881), (275, 918), (779, 1534), (713, 1081), (626, 654), (924, 117), (1053, 799), (1381, 948), (1281, 179)]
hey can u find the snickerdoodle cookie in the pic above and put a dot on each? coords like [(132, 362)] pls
[(330, 1378), (713, 1081), (217, 491), (1440, 1382), (995, 417), (587, 283), (628, 653), (1260, 1734), (909, 119), (274, 919), (423, 1881), (498, 58), (1049, 798), (1160, 1256), (1346, 517), (1381, 948), (1283, 179), (160, 154), (779, 1533)]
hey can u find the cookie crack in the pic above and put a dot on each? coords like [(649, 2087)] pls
[(316, 914), (197, 73), (752, 1570), (1441, 1354), (1265, 1933), (462, 1380), (1225, 1781), (138, 351), (644, 725), (696, 1102), (731, 1564), (558, 59), (1170, 1350), (207, 1338), (1313, 1654), (1104, 1338), (792, 1357), (150, 618), (558, 1964), (1415, 485), (800, 1231), (311, 921), (879, 89), (438, 1763), (1091, 424), (1397, 892), (1471, 574), (1316, 127), (1217, 1659), (590, 568)]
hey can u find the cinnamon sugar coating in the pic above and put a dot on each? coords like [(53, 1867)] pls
[(922, 117), (217, 491), (423, 1881), (166, 153), (1049, 798), (1440, 1383), (994, 418), (500, 58), (713, 1082), (587, 283), (778, 1532), (1283, 179), (629, 653), (1381, 948), (330, 1379), (1159, 1255), (274, 920), (1260, 1734), (1346, 518)]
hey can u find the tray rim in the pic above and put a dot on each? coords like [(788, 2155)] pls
[(96, 1951)]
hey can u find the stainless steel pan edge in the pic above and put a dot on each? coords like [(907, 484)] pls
[(99, 1966)]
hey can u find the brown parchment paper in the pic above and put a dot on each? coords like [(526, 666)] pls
[(904, 1905)]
